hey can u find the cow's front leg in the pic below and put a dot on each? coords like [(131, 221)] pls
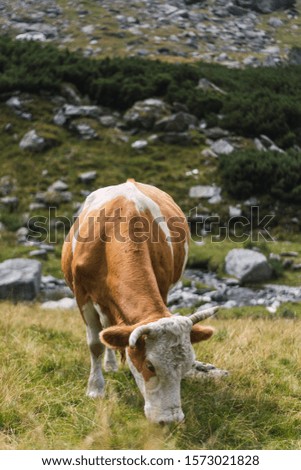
[(110, 361), (96, 381), (201, 370)]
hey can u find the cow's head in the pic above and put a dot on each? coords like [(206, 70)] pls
[(159, 355)]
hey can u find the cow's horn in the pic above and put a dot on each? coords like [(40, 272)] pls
[(202, 314), (135, 335)]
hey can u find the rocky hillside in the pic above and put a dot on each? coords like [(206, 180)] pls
[(235, 33), (201, 131)]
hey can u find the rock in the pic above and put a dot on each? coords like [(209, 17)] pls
[(204, 192), (275, 22), (145, 113), (215, 133), (108, 121), (14, 102), (63, 304), (235, 211), (85, 131), (7, 185), (290, 254), (37, 206), (20, 279), (33, 142), (222, 147), (87, 177), (33, 36), (139, 144), (179, 122), (247, 265), (2, 227), (58, 186), (11, 202), (22, 234), (38, 254)]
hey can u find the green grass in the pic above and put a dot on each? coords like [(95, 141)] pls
[(45, 367)]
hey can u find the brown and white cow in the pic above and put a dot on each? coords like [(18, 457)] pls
[(128, 246)]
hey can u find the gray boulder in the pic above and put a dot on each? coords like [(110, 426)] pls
[(179, 122), (145, 113), (32, 141), (247, 265), (20, 279), (222, 147), (204, 192)]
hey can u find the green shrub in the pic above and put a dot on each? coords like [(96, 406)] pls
[(249, 173)]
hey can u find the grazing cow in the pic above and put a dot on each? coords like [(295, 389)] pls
[(128, 246)]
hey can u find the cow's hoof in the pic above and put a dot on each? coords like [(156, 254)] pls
[(95, 393)]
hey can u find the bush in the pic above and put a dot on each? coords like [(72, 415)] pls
[(252, 173), (271, 107)]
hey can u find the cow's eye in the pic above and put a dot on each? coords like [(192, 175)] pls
[(150, 366)]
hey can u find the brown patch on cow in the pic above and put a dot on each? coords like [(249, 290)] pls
[(200, 333), (138, 358)]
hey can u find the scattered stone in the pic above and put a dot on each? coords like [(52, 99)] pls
[(20, 279), (11, 202), (222, 147), (58, 186), (33, 142), (87, 177), (291, 254), (33, 36), (204, 192), (139, 144), (145, 113), (275, 22), (179, 122), (215, 133), (85, 131), (247, 265), (235, 211), (296, 267), (39, 254)]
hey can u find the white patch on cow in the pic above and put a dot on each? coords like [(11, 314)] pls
[(102, 317), (129, 191), (96, 381), (169, 349)]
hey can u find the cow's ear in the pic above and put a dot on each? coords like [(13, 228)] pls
[(116, 337), (200, 333)]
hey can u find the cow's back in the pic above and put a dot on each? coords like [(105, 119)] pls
[(129, 240)]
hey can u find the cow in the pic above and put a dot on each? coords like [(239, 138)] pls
[(127, 247)]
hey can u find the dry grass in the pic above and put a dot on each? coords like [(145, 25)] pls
[(45, 365)]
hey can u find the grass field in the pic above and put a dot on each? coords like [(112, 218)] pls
[(45, 366)]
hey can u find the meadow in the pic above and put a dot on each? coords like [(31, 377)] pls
[(45, 366)]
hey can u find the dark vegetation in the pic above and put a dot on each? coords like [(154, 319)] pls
[(272, 107), (252, 173)]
